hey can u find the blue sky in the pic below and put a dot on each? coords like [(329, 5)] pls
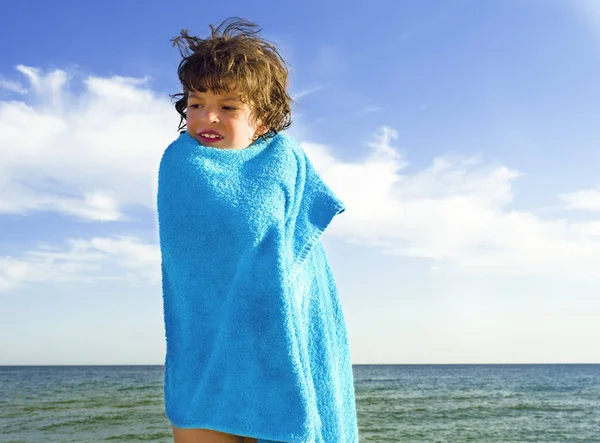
[(462, 135)]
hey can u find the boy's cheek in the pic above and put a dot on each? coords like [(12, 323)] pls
[(192, 119)]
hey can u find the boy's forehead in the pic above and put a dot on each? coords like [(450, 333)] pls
[(224, 95)]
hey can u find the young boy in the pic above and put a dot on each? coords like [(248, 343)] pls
[(257, 347), (234, 81)]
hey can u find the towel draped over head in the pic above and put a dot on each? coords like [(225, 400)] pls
[(256, 342)]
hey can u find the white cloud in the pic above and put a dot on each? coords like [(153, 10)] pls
[(88, 155), (48, 88), (587, 229), (125, 259), (455, 213), (94, 154), (585, 199)]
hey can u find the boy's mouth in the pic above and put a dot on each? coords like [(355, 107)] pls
[(210, 136)]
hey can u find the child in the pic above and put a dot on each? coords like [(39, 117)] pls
[(257, 347)]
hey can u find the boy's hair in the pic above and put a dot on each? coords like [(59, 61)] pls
[(236, 57)]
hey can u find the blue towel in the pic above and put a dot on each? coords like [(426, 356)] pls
[(256, 342)]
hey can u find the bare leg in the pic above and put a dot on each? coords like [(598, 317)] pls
[(204, 436)]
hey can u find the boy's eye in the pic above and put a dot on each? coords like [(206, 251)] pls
[(229, 108), (195, 106)]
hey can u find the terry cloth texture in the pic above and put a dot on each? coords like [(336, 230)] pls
[(256, 342)]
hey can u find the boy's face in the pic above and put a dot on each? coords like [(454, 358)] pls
[(220, 121)]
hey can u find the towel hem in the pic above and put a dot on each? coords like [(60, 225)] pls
[(338, 208)]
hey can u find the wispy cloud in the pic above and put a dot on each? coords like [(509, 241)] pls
[(303, 93), (369, 109), (12, 86), (126, 259)]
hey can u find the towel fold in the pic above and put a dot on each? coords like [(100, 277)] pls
[(256, 342)]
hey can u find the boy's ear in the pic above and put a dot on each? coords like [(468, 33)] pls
[(260, 130)]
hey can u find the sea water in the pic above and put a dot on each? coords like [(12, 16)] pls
[(395, 403)]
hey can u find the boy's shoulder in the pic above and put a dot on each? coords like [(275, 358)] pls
[(288, 144), (288, 151), (285, 138), (174, 145)]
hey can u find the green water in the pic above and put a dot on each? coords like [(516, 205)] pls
[(395, 403)]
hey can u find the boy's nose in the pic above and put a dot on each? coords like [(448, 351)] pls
[(211, 116)]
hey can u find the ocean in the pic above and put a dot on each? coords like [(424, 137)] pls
[(395, 403)]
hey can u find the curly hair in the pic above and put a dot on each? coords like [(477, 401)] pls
[(235, 57)]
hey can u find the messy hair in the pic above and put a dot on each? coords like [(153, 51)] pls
[(235, 57)]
